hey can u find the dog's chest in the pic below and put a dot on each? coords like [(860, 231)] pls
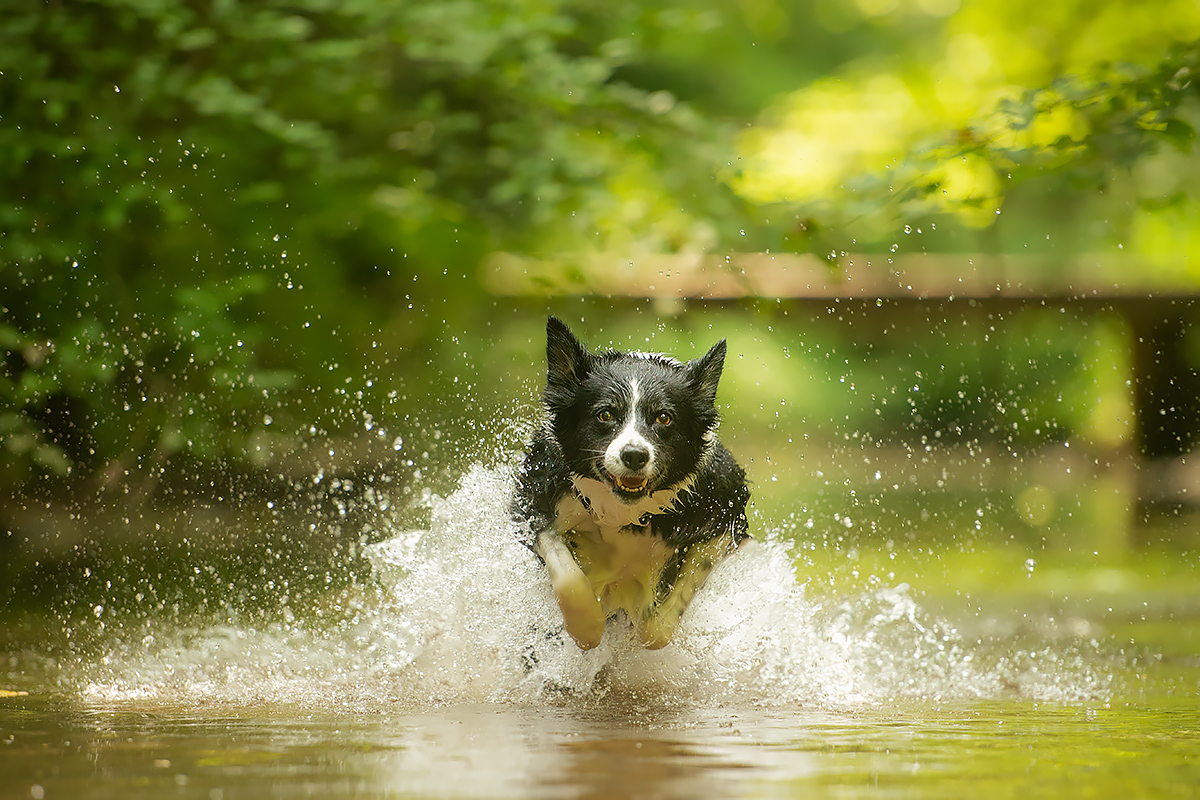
[(622, 559), (592, 505)]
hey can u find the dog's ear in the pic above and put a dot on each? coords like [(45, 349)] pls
[(567, 361), (704, 373)]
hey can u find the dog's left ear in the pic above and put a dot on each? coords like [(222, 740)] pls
[(704, 373)]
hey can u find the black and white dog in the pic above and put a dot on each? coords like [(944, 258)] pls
[(625, 493)]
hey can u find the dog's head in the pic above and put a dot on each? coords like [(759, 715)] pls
[(638, 422)]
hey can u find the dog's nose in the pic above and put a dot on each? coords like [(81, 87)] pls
[(634, 457)]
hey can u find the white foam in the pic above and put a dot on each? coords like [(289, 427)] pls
[(462, 613)]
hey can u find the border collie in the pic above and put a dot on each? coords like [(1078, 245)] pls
[(625, 494)]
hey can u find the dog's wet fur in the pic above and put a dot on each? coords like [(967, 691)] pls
[(625, 492)]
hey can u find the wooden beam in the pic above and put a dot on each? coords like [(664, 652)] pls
[(861, 276)]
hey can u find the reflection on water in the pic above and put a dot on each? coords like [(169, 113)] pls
[(620, 750)]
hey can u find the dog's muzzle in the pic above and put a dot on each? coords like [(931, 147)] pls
[(633, 459)]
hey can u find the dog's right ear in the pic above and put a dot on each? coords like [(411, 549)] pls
[(567, 360)]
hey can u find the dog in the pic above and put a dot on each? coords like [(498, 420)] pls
[(625, 494)]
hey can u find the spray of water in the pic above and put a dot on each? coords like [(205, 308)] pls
[(461, 613)]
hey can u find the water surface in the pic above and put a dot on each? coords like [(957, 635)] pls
[(443, 674), (985, 749)]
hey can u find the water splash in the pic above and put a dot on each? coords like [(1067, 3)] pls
[(462, 613)]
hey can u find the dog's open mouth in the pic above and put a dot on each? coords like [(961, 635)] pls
[(630, 483)]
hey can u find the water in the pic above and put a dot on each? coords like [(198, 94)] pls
[(462, 613), (985, 750), (442, 673)]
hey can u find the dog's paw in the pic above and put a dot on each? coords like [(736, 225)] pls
[(656, 633), (583, 614)]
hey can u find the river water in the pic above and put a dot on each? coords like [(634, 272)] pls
[(443, 674)]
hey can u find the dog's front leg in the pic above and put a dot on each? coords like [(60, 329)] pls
[(583, 614), (658, 628)]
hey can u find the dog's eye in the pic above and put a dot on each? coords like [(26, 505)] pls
[(663, 418), (605, 415)]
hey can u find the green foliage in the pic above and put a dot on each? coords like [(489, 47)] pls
[(227, 223), (189, 192), (1092, 104)]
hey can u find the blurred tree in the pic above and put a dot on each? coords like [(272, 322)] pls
[(189, 192), (1095, 103), (220, 220)]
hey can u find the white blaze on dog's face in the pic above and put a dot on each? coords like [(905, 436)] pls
[(629, 459)]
